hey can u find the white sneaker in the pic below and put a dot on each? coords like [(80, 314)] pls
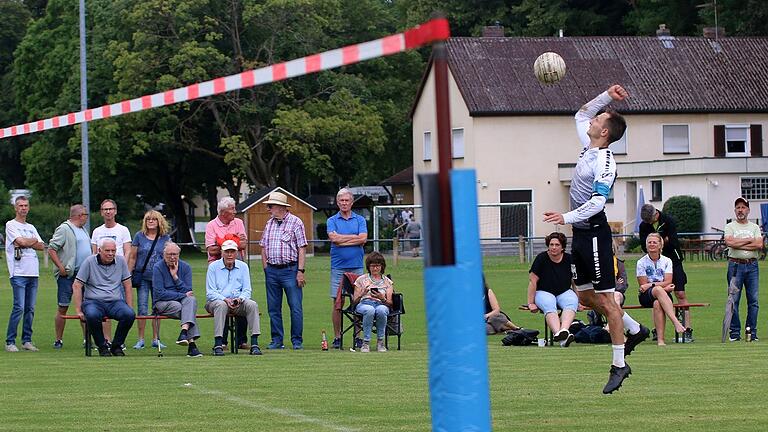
[(11, 348), (365, 348), (29, 347), (380, 347)]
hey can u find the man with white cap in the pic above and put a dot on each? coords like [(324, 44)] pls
[(744, 240), (283, 250), (228, 291)]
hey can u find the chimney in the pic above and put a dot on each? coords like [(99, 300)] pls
[(663, 31), (493, 31), (714, 32)]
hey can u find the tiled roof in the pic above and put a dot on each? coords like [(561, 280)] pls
[(672, 74), (404, 177)]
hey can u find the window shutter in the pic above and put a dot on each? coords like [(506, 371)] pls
[(756, 139), (719, 140)]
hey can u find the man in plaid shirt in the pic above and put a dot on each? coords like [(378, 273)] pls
[(283, 250)]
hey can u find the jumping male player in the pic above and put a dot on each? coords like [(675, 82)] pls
[(591, 246)]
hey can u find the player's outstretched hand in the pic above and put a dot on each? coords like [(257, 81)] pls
[(617, 92), (554, 217)]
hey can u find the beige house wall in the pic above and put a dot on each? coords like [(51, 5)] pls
[(523, 152)]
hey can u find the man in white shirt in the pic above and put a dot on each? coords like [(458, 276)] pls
[(21, 242), (111, 229)]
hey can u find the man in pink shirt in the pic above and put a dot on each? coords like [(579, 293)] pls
[(223, 224)]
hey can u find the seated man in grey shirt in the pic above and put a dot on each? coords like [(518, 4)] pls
[(105, 276)]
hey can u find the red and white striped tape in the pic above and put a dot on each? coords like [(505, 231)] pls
[(431, 31)]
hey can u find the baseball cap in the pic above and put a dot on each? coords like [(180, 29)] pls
[(741, 200), (229, 245)]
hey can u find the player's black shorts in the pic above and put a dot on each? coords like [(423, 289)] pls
[(592, 253), (679, 278)]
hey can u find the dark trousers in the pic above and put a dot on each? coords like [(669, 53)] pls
[(118, 310)]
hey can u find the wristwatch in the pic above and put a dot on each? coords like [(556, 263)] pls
[(301, 270)]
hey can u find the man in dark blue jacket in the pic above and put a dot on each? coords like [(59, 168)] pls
[(172, 295)]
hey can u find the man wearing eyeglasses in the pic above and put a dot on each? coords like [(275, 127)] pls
[(283, 251), (173, 295), (111, 229), (68, 248)]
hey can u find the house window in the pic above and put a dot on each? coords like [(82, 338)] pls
[(675, 138), (457, 143), (427, 146), (656, 190), (620, 146), (754, 188), (736, 140)]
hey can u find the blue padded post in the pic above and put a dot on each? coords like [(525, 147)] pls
[(458, 354)]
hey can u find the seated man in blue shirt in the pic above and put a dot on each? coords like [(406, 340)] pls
[(105, 277), (228, 291), (173, 296)]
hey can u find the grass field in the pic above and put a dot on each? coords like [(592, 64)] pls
[(701, 386)]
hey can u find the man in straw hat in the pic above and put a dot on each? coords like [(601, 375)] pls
[(283, 250)]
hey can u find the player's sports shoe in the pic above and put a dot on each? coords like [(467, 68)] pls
[(634, 339), (617, 376)]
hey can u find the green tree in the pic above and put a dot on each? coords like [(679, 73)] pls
[(13, 26)]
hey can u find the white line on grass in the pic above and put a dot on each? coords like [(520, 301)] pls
[(260, 406)]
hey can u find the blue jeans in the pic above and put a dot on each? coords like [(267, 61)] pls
[(371, 309), (118, 310), (24, 298), (277, 281), (142, 292), (744, 276)]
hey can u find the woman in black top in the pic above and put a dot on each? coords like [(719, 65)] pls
[(549, 288)]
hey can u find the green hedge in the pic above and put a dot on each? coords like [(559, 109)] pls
[(687, 211)]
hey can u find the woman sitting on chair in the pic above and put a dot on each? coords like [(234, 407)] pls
[(549, 288), (373, 291), (654, 275)]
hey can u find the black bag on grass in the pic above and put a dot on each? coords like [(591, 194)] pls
[(593, 334), (520, 337)]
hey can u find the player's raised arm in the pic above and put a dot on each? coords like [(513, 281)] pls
[(590, 109)]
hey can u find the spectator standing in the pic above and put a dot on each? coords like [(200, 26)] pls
[(146, 251), (284, 248), (413, 233), (21, 242), (68, 249), (218, 228), (347, 232), (744, 240), (111, 229)]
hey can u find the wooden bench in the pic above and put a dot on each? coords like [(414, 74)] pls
[(679, 313), (155, 321)]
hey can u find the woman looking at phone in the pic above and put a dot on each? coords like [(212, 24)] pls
[(373, 296)]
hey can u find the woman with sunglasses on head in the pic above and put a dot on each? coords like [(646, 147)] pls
[(146, 250)]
